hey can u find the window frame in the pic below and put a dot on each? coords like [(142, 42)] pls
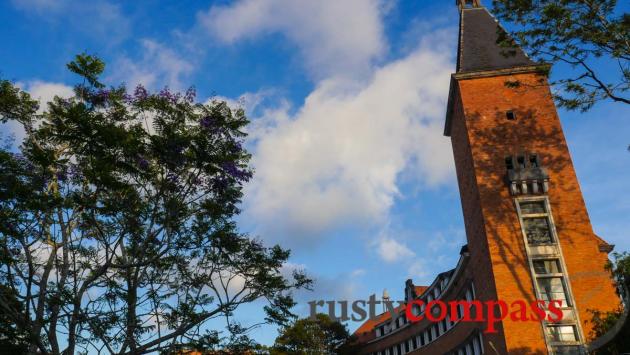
[(553, 275), (557, 255)]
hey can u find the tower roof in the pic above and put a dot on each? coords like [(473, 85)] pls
[(479, 54), (478, 49)]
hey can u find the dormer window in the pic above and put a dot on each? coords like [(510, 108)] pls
[(533, 160)]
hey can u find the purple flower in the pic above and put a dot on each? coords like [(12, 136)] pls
[(143, 163), (190, 94), (128, 98), (232, 170), (169, 96), (206, 122), (61, 175), (236, 147), (103, 94), (140, 93)]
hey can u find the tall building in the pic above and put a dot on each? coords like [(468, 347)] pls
[(528, 232)]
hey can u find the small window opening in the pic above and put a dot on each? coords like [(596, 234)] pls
[(521, 162), (510, 115), (533, 160), (509, 163)]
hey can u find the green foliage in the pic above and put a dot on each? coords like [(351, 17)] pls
[(13, 339), (604, 321), (116, 222), (88, 67), (591, 37), (318, 336)]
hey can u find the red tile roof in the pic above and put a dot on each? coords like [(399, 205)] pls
[(420, 289), (368, 326)]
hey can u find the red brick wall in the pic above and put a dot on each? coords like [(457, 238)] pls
[(495, 240), (480, 263)]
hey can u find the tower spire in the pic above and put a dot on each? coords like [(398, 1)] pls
[(478, 49)]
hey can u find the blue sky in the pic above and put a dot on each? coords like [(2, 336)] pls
[(347, 102)]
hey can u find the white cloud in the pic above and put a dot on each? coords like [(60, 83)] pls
[(334, 37), (45, 92), (157, 66), (420, 273), (391, 250), (42, 91), (337, 159)]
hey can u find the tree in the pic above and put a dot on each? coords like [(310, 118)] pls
[(605, 321), (321, 335), (116, 221), (590, 36), (13, 340)]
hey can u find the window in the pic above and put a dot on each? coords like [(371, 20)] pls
[(536, 222), (533, 160), (537, 230), (533, 207), (521, 161), (509, 163), (542, 267), (510, 115), (552, 288), (561, 333)]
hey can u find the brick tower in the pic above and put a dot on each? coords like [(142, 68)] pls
[(529, 234)]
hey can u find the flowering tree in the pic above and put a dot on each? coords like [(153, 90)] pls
[(116, 228)]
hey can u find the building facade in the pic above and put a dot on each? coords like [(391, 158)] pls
[(528, 231)]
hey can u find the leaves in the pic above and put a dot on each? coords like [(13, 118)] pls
[(117, 220), (88, 67), (589, 38), (321, 335)]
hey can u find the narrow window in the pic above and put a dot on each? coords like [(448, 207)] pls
[(532, 207), (537, 230), (533, 160), (536, 222), (510, 115), (521, 161), (552, 288), (546, 267), (562, 333), (509, 163)]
